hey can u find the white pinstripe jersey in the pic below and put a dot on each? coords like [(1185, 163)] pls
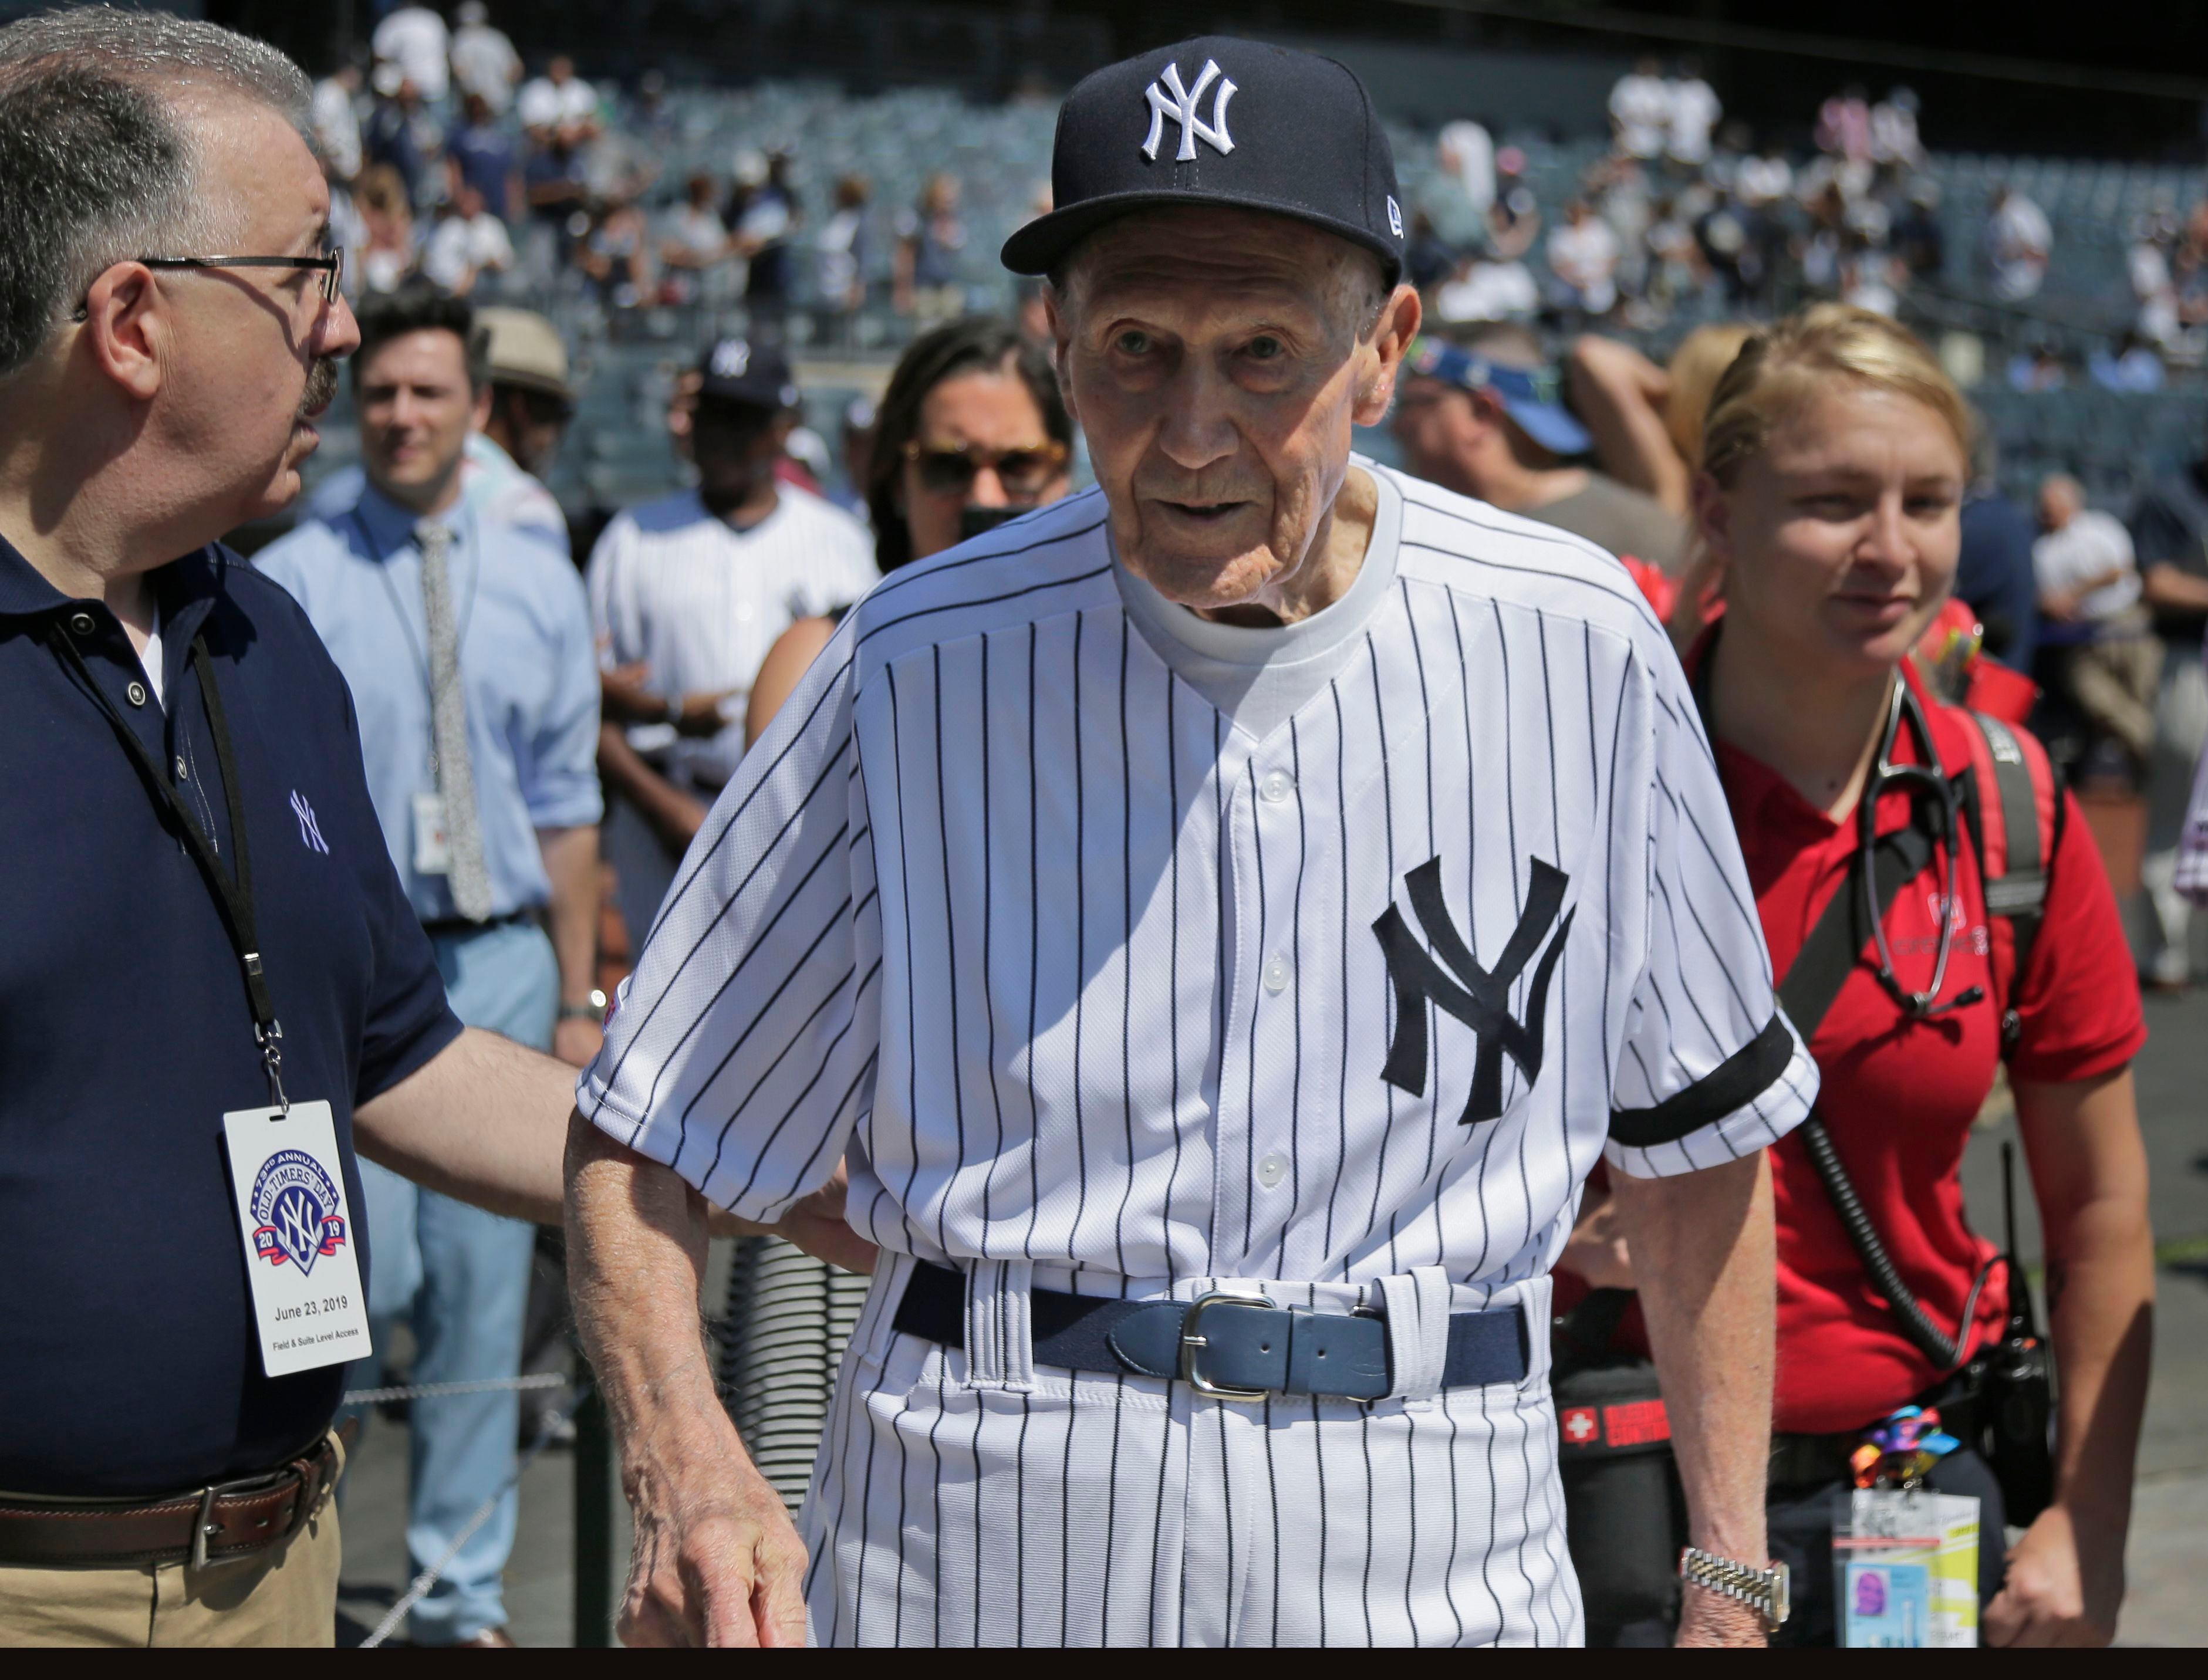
[(675, 586), (1075, 971)]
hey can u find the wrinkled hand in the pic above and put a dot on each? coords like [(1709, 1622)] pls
[(717, 1561), (815, 1223), (1713, 1619), (1597, 1250), (2058, 1592)]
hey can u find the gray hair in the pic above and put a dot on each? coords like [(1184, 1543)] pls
[(98, 150)]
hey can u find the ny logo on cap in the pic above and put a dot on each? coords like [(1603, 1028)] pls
[(1172, 100), (730, 357), (1476, 996)]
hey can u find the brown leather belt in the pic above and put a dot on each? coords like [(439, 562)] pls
[(217, 1524)]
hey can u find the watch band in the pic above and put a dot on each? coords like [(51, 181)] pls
[(1764, 1591), (594, 1010)]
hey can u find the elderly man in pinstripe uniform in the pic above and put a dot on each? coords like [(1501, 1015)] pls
[(1220, 919)]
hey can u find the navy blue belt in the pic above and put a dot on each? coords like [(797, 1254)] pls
[(1232, 1345)]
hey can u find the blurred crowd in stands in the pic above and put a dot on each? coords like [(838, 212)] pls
[(1581, 300)]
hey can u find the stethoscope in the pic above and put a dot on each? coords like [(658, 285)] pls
[(1887, 776)]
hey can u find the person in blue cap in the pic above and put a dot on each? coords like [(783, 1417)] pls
[(1486, 418)]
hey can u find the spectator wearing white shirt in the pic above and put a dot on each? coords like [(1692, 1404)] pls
[(559, 105), (2088, 577), (845, 252), (1482, 290), (485, 61), (1641, 111), (2082, 564), (1894, 138), (1763, 179), (2018, 243), (1693, 111), (467, 243), (1583, 254), (2152, 285), (1466, 157), (414, 39), (695, 248), (337, 123), (687, 594)]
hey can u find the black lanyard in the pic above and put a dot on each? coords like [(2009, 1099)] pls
[(233, 892)]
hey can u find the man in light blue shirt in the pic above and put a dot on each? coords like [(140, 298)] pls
[(467, 644)]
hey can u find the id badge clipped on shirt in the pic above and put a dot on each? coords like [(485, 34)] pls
[(309, 1306), (433, 854), (1905, 1566)]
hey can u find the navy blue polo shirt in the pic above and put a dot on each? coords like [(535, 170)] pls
[(129, 1363)]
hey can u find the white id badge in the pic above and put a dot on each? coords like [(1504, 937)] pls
[(1905, 1567), (307, 1302), (432, 856)]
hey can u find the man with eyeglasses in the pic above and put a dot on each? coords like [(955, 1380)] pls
[(213, 985), (687, 594)]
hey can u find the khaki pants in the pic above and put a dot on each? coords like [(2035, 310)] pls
[(287, 1595), (2115, 680)]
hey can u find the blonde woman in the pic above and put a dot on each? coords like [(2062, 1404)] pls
[(1835, 456)]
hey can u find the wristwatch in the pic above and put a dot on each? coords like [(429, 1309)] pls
[(594, 1010), (1763, 1591)]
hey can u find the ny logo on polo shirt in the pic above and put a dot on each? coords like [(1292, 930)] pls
[(1168, 98), (311, 831), (1476, 996)]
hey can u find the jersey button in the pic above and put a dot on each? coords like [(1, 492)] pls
[(183, 772), (1276, 975), (1275, 787), (1272, 1169), (81, 624), (135, 694)]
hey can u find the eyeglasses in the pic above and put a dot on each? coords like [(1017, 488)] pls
[(1024, 471), (331, 263)]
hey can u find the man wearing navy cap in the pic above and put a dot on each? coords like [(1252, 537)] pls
[(1220, 919), (1486, 418), (687, 593)]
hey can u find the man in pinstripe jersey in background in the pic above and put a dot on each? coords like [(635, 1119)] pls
[(1219, 919)]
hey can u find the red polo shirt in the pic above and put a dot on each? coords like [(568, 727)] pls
[(1899, 1094)]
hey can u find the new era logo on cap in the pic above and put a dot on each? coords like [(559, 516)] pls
[(1219, 122)]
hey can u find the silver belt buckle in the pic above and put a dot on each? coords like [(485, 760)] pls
[(204, 1526), (1192, 1343)]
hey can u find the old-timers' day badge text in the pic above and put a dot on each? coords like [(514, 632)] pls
[(307, 1302)]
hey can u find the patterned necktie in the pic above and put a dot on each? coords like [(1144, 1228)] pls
[(448, 729)]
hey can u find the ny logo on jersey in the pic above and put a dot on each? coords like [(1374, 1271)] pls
[(1476, 996), (1172, 100)]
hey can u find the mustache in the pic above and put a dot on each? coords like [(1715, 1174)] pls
[(321, 385)]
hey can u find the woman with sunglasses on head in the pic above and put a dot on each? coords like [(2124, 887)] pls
[(1835, 455), (971, 432)]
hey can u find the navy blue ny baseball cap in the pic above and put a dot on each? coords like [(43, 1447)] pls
[(1217, 120), (736, 370)]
